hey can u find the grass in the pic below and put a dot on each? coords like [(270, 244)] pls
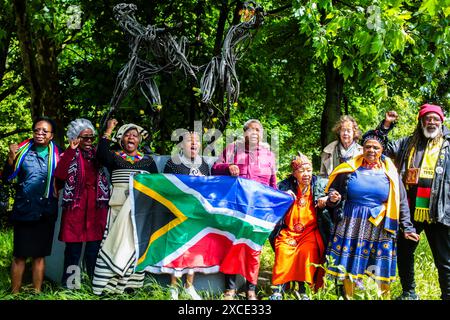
[(426, 280)]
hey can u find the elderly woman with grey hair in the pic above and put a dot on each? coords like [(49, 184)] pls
[(252, 159), (84, 199), (344, 148)]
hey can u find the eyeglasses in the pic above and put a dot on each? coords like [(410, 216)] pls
[(87, 138), (38, 130)]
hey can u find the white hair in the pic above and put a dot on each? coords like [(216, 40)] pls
[(76, 126), (249, 122)]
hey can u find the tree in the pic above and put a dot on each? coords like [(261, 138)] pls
[(39, 57), (360, 44)]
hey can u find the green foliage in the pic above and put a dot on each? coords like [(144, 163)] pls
[(381, 48), (391, 54)]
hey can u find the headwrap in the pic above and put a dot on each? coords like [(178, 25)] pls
[(375, 135), (76, 126), (126, 127), (424, 109), (53, 158), (72, 188), (299, 161)]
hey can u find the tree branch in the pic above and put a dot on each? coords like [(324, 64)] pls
[(4, 94), (5, 135), (353, 7), (274, 11), (221, 27)]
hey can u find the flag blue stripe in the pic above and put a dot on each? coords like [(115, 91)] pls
[(244, 195)]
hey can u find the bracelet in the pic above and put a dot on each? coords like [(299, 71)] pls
[(107, 135)]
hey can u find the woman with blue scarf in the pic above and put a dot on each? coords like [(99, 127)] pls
[(32, 163), (372, 209)]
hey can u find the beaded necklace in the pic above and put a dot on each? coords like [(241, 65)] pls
[(374, 165), (131, 159)]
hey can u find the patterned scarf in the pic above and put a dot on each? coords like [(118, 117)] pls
[(72, 187), (430, 157), (53, 158), (342, 155), (131, 159)]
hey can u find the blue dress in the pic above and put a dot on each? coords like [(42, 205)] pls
[(358, 247)]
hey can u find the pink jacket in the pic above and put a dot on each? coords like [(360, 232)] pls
[(258, 166)]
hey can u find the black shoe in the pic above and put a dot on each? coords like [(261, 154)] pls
[(340, 290), (408, 296)]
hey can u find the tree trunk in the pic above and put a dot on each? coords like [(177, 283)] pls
[(51, 102), (236, 13), (41, 70), (7, 22), (4, 48), (332, 108), (194, 111), (224, 10)]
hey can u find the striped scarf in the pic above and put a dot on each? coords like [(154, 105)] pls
[(422, 212), (53, 158)]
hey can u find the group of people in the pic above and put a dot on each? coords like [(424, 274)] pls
[(367, 206), (378, 198)]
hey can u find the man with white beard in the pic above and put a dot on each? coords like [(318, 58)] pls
[(423, 161)]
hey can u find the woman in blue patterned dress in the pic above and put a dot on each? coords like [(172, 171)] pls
[(372, 209)]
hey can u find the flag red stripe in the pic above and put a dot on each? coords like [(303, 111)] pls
[(208, 251), (243, 260), (217, 250)]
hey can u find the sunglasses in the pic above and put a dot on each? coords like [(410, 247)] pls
[(87, 138)]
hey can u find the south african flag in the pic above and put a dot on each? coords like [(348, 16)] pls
[(209, 224)]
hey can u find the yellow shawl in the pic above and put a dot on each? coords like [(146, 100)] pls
[(391, 209)]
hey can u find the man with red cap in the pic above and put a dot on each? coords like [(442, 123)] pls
[(423, 161)]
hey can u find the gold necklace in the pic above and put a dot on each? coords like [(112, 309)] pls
[(301, 201)]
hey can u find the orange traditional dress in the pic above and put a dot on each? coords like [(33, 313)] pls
[(299, 245)]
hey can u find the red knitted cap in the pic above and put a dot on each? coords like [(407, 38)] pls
[(424, 109)]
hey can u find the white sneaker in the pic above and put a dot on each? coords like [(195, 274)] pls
[(173, 293), (191, 291)]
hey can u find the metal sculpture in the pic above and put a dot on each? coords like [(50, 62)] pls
[(154, 50)]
